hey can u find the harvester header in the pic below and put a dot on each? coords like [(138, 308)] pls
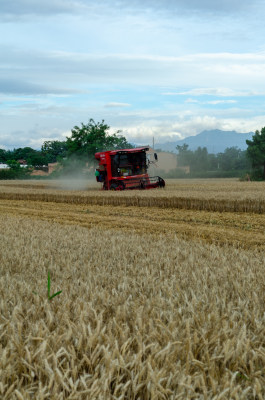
[(126, 169)]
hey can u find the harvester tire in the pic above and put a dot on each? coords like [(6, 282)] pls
[(161, 182), (121, 186), (117, 186), (142, 184)]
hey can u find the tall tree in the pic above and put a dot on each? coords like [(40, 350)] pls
[(199, 160), (53, 149), (233, 159), (3, 156), (256, 150), (93, 137), (23, 153), (184, 155)]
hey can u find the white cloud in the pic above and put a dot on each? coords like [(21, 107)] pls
[(171, 129), (68, 72), (215, 102), (219, 92), (191, 101), (117, 105), (174, 128), (18, 8), (53, 7), (141, 128), (64, 61)]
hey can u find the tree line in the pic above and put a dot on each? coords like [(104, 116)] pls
[(87, 139), (49, 153), (232, 161), (72, 154), (200, 161)]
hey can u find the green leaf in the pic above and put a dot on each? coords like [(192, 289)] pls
[(55, 294), (49, 284)]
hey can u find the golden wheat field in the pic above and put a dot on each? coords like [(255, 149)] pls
[(163, 291)]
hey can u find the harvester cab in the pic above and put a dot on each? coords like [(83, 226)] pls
[(126, 169)]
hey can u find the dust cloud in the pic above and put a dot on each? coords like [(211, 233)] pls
[(166, 161), (76, 175), (73, 183)]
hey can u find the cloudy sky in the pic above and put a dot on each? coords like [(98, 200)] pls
[(162, 68)]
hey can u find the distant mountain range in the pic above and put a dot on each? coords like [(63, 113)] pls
[(216, 141)]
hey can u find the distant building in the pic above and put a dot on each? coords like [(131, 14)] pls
[(22, 162), (52, 167), (167, 161), (45, 170)]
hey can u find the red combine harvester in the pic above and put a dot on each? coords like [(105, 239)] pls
[(126, 169)]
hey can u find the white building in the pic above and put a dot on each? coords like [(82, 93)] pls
[(4, 166)]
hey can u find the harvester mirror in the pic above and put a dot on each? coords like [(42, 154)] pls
[(155, 155)]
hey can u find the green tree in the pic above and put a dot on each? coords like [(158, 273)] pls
[(54, 149), (213, 162), (37, 159), (32, 157), (199, 160), (6, 155), (233, 159), (256, 151), (14, 165), (3, 156), (92, 137), (184, 155), (16, 171), (23, 153)]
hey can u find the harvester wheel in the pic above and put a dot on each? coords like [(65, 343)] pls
[(161, 182), (142, 184), (121, 186), (117, 186)]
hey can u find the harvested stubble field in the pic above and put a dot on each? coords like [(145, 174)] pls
[(158, 302), (226, 195)]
